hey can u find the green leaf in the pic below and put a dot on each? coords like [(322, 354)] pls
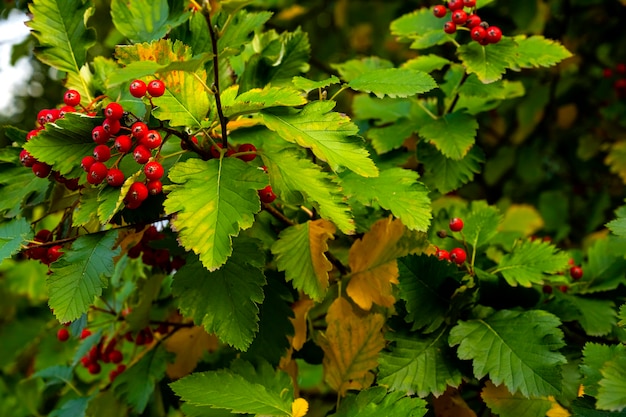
[(242, 390), (354, 68), (425, 285), (87, 208), (537, 51), (597, 317), (481, 224), (73, 407), (422, 27), (237, 33), (605, 268), (384, 110), (12, 234), (64, 143), (307, 85), (595, 355), (397, 190), (446, 174), (225, 301), (137, 383), (452, 134), (213, 200), (376, 402), (328, 134), (258, 99), (18, 185), (140, 69), (393, 82), (529, 261), (586, 407), (290, 172), (390, 137), (489, 62), (514, 348), (146, 20), (426, 63), (59, 26), (504, 404), (612, 391), (419, 364), (79, 275), (622, 316)]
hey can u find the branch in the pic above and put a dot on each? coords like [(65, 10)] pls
[(216, 83)]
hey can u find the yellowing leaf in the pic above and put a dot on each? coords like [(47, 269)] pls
[(504, 404), (301, 309), (616, 159), (189, 344), (351, 346), (373, 263), (557, 410), (451, 404), (522, 218), (299, 407)]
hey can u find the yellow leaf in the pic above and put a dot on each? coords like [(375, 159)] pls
[(522, 218), (351, 345), (616, 159), (557, 410), (301, 310), (373, 262), (451, 404), (299, 407), (189, 344), (319, 232)]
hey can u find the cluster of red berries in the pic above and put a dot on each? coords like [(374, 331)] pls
[(575, 272), (155, 257), (44, 253), (456, 255), (480, 31), (619, 72)]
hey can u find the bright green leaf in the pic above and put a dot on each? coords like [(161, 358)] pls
[(586, 407), (537, 51), (489, 62), (329, 135), (605, 268), (481, 223), (612, 391), (452, 134), (307, 85), (595, 355), (145, 20), (426, 63), (622, 316), (237, 33), (12, 235), (421, 27), (393, 82), (214, 200), (258, 99), (385, 110), (617, 226), (597, 317), (514, 348), (390, 137), (446, 174), (354, 68), (376, 402), (80, 275)]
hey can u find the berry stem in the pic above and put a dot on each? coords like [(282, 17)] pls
[(216, 83), (455, 100)]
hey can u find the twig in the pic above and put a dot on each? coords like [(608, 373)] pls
[(216, 83)]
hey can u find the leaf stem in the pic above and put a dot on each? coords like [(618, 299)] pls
[(428, 112), (341, 90), (216, 83), (455, 100)]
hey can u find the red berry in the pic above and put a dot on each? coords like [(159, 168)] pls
[(478, 33), (115, 177), (53, 254), (32, 134), (137, 192), (138, 88), (442, 255), (71, 98), (114, 111), (459, 17), (44, 235), (112, 126), (156, 88), (41, 169), (141, 154), (94, 368), (607, 73), (215, 150), (100, 135), (469, 3), (440, 11), (41, 117), (620, 84), (87, 162), (563, 288), (63, 334), (494, 34), (123, 143), (458, 256), (97, 173), (116, 356), (152, 140), (267, 194), (247, 147), (455, 4), (85, 333), (449, 27), (52, 115), (26, 158), (547, 289), (139, 130), (621, 68), (183, 144), (153, 170), (456, 224), (154, 187), (66, 109), (102, 153), (473, 20), (576, 272)]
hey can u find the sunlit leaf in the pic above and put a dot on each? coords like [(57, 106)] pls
[(393, 82), (12, 235), (189, 344), (537, 51), (453, 135), (612, 391), (146, 20), (529, 262), (376, 402), (489, 62)]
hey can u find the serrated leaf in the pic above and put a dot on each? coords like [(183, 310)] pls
[(373, 265), (537, 51), (258, 99), (307, 85), (594, 357), (145, 20), (586, 407), (354, 68), (419, 364), (390, 137), (612, 391), (12, 234), (189, 344), (397, 190), (290, 172), (597, 317), (622, 316), (385, 110), (481, 224), (87, 208), (447, 174), (56, 374), (376, 402), (452, 134), (529, 261), (426, 63), (421, 27), (421, 283), (393, 82), (351, 344), (137, 383), (224, 301), (16, 186), (238, 31), (504, 404), (140, 69), (223, 194), (328, 134), (80, 275), (64, 143), (253, 393), (514, 348), (72, 407), (617, 226), (59, 26), (489, 62), (604, 270), (300, 252)]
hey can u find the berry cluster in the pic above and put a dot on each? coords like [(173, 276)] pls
[(155, 257), (480, 31), (44, 253), (456, 255), (619, 74)]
